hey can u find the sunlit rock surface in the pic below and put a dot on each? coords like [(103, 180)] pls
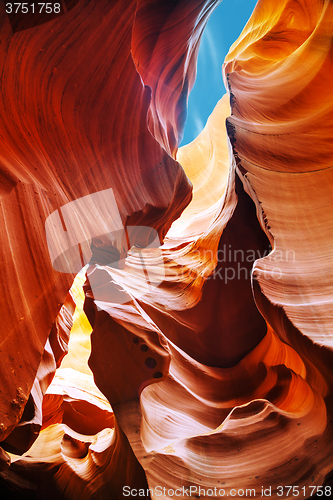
[(73, 122), (221, 376)]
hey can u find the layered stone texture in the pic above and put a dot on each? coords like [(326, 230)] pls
[(219, 377)]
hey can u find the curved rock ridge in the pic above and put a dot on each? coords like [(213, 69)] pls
[(56, 347), (202, 360), (269, 402), (205, 423), (284, 146), (80, 441), (68, 87), (223, 404), (156, 37)]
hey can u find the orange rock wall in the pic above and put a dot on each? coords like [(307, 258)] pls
[(220, 377)]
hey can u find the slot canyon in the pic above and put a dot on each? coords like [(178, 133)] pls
[(167, 312)]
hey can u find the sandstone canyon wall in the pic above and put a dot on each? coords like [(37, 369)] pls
[(195, 350)]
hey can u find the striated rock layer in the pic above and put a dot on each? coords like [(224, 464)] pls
[(210, 370), (67, 128)]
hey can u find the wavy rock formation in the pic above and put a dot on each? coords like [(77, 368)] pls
[(199, 365), (57, 95)]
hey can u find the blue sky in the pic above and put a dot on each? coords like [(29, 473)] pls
[(223, 28)]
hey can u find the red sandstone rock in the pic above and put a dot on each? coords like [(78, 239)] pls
[(207, 379)]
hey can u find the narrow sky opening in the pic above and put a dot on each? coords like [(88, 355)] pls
[(222, 30)]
